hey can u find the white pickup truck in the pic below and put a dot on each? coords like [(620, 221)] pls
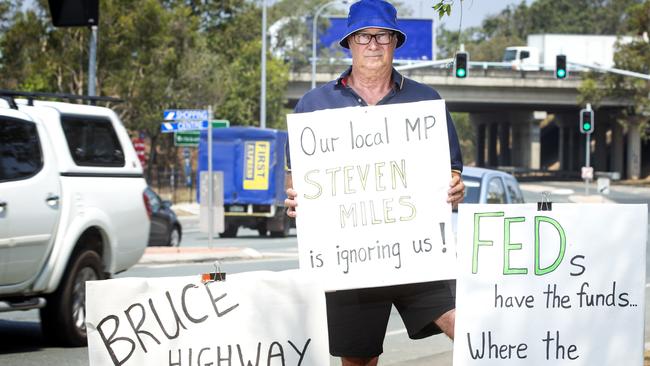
[(72, 208)]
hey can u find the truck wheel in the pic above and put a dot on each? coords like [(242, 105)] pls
[(261, 229), (63, 319), (286, 227), (230, 232)]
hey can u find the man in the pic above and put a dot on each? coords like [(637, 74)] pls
[(357, 319)]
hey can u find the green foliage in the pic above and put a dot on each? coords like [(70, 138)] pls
[(153, 54), (466, 136), (291, 29), (512, 25), (443, 8), (242, 93), (633, 56), (590, 91)]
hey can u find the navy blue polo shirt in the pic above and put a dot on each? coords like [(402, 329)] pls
[(337, 94)]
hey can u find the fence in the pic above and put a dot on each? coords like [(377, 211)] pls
[(174, 185)]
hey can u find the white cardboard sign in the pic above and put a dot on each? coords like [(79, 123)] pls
[(372, 188), (253, 318), (560, 287)]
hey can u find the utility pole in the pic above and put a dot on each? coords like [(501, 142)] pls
[(92, 61), (263, 83)]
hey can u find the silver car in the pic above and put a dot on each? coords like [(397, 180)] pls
[(490, 186)]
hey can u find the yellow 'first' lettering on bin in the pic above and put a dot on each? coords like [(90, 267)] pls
[(256, 167)]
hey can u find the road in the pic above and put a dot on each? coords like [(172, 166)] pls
[(23, 345)]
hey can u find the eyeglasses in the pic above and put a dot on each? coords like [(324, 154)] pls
[(382, 38)]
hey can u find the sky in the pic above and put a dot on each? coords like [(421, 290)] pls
[(474, 11)]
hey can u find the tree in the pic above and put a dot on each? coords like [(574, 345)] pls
[(291, 29), (512, 25), (633, 56), (153, 54)]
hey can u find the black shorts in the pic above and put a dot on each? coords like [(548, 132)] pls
[(357, 319)]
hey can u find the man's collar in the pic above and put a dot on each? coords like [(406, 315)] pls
[(396, 78)]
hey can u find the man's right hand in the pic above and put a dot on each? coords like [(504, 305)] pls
[(290, 202)]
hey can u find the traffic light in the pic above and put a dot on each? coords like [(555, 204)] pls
[(74, 13), (586, 121), (560, 67), (460, 64)]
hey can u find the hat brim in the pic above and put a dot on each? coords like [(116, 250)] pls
[(401, 36)]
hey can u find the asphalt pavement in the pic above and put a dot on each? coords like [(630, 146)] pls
[(188, 213)]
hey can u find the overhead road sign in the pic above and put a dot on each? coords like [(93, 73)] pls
[(167, 127), (186, 115), (192, 138), (220, 123), (187, 138)]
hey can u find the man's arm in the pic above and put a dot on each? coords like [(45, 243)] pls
[(290, 202), (456, 192)]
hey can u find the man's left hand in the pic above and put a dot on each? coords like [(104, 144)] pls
[(456, 192)]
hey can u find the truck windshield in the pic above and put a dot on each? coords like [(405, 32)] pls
[(510, 55)]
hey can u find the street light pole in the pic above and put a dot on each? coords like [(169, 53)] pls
[(314, 29), (263, 84), (92, 61)]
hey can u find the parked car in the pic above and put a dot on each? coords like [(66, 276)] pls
[(488, 186), (165, 228), (72, 207)]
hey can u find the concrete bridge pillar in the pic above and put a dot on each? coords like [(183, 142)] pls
[(480, 144), (617, 152), (561, 140), (504, 144), (526, 148), (485, 137), (565, 125), (520, 152), (492, 155), (571, 146), (633, 149), (601, 126)]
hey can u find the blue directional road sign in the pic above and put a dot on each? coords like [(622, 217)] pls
[(183, 126), (186, 115)]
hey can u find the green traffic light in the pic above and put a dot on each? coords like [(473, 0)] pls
[(561, 73), (461, 73), (586, 126)]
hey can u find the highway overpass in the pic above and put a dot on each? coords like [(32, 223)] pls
[(525, 120)]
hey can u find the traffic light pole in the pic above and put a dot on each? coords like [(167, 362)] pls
[(587, 161), (612, 70), (587, 127)]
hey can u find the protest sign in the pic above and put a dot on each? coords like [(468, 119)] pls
[(560, 287), (372, 188), (253, 318)]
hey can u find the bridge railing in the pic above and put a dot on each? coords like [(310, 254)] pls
[(443, 66)]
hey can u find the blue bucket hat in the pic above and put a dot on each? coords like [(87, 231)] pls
[(372, 14)]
